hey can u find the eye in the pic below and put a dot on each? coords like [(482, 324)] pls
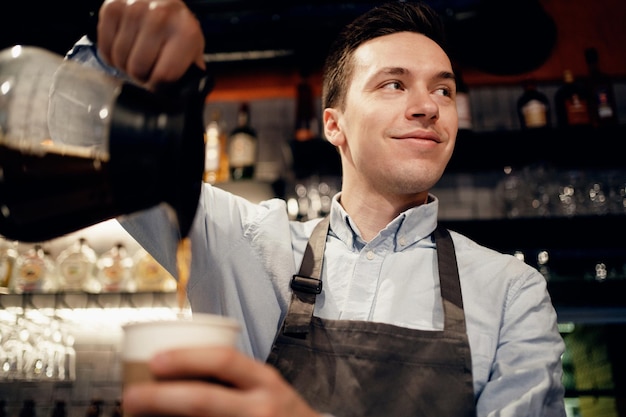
[(444, 91), (393, 85)]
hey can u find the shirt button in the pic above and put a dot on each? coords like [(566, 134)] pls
[(370, 255), (402, 241)]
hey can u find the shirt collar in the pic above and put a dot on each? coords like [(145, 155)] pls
[(407, 228)]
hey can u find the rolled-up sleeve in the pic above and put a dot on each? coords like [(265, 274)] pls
[(526, 376)]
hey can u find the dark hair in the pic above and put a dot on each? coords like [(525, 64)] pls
[(382, 20)]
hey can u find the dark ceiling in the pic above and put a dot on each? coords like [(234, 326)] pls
[(479, 30)]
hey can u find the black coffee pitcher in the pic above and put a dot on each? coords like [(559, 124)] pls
[(78, 147)]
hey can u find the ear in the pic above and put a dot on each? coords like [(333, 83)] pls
[(332, 127)]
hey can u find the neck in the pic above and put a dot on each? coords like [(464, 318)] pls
[(372, 211)]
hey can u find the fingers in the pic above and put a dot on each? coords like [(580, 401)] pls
[(182, 49), (249, 388), (151, 41), (222, 363), (182, 398), (109, 20)]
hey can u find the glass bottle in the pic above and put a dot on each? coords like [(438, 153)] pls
[(150, 275), (305, 128), (28, 409), (8, 255), (34, 271), (76, 264), (216, 155), (114, 268), (243, 147), (117, 409), (602, 95), (303, 146), (543, 259), (533, 107), (572, 102), (312, 156), (463, 104), (95, 408), (69, 357), (59, 409)]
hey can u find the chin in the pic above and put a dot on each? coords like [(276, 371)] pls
[(416, 181), (409, 186)]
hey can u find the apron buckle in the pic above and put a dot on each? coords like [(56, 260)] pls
[(306, 284)]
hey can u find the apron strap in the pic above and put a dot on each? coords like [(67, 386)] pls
[(454, 316), (307, 283)]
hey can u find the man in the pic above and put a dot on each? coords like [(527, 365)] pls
[(373, 310)]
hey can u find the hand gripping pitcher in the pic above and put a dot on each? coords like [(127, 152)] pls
[(78, 146)]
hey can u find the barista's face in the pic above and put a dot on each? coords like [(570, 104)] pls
[(398, 129)]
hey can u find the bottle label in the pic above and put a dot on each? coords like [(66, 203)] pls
[(30, 274), (150, 275), (577, 111), (242, 150), (74, 271), (113, 274), (535, 114), (604, 108)]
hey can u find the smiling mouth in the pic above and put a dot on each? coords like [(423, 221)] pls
[(419, 136)]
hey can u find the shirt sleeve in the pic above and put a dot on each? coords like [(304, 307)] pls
[(242, 259), (526, 376), (86, 52)]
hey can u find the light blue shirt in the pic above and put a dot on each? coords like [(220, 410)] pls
[(244, 255)]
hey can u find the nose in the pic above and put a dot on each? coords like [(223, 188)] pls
[(422, 105)]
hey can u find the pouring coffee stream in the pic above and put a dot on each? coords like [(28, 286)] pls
[(78, 147)]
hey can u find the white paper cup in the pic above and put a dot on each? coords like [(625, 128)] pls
[(142, 340)]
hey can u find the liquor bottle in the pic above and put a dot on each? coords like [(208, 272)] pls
[(76, 266), (8, 255), (533, 107), (216, 155), (150, 275), (69, 358), (543, 258), (602, 95), (303, 146), (28, 409), (59, 409), (306, 123), (117, 409), (312, 155), (571, 102), (95, 408), (463, 104), (34, 271), (114, 269), (242, 147)]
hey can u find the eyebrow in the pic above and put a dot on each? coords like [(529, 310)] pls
[(394, 70), (447, 74), (402, 71)]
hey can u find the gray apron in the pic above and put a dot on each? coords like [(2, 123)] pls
[(359, 368)]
